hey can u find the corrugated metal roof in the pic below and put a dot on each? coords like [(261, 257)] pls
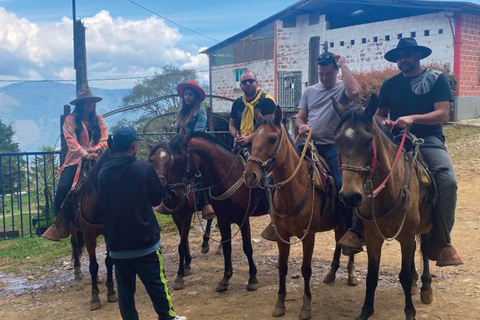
[(374, 12)]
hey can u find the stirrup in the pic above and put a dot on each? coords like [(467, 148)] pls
[(351, 241), (52, 233), (208, 212), (269, 233)]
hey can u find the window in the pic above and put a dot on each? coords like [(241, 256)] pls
[(313, 18), (413, 34), (238, 75), (440, 31), (426, 33), (290, 22), (375, 39), (399, 36), (223, 56), (352, 42), (342, 43), (332, 44), (364, 40), (387, 38)]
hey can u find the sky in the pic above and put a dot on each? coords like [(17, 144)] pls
[(124, 40)]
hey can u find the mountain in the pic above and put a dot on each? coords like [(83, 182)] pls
[(34, 109)]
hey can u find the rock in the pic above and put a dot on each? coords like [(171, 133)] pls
[(192, 293), (31, 278)]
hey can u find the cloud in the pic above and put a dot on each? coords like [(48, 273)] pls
[(115, 48)]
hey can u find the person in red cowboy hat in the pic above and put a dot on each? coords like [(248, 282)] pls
[(419, 98), (86, 136), (192, 118)]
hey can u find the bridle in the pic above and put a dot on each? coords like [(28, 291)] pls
[(265, 165)]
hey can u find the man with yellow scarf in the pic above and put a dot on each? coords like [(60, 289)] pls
[(242, 119), (242, 116)]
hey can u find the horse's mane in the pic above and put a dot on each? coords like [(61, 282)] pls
[(212, 139), (270, 121), (92, 181), (161, 145), (357, 115)]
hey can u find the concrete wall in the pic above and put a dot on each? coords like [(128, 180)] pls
[(467, 108), (223, 81)]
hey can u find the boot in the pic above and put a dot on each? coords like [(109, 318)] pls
[(161, 209), (208, 212), (269, 233), (448, 256), (351, 241), (52, 233)]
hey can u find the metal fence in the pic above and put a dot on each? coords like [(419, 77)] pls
[(27, 189)]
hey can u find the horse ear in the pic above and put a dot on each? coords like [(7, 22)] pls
[(258, 116), (278, 115), (110, 143), (372, 107), (339, 109), (150, 145)]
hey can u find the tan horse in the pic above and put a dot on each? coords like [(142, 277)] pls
[(298, 207), (400, 211)]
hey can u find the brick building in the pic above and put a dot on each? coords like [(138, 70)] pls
[(283, 48)]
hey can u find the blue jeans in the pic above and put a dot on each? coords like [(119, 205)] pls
[(438, 160)]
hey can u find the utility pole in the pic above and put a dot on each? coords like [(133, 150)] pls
[(79, 51)]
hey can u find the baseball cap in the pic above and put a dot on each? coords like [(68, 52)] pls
[(123, 138)]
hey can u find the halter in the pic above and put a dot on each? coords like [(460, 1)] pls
[(266, 164)]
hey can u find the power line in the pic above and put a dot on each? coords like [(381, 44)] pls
[(171, 21)]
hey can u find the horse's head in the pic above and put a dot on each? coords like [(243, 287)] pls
[(354, 139), (267, 151)]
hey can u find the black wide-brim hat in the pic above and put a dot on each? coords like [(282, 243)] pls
[(85, 94), (407, 43)]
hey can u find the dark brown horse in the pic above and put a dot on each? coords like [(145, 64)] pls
[(86, 225), (298, 207), (179, 203), (205, 155), (398, 211)]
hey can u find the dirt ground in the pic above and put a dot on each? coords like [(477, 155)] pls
[(53, 294)]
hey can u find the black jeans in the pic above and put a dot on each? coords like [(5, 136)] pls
[(64, 185), (150, 270)]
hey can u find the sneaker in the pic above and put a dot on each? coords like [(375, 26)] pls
[(180, 318)]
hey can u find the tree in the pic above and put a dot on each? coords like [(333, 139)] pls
[(9, 164)]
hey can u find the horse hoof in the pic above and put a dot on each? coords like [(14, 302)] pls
[(305, 314), (329, 278), (187, 271), (352, 281), (252, 285), (426, 296), (222, 287), (95, 305), (179, 284), (278, 312), (112, 297), (205, 249)]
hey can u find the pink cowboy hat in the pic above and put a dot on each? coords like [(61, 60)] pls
[(192, 85)]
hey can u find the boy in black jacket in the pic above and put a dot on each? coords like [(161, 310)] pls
[(128, 189)]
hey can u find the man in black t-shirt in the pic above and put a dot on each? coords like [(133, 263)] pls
[(242, 116), (420, 98)]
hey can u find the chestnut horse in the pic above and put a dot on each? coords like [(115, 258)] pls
[(180, 205), (85, 227), (388, 196), (298, 207)]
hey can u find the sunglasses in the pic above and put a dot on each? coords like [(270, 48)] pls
[(249, 81)]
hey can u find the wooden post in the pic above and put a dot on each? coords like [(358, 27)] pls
[(80, 55)]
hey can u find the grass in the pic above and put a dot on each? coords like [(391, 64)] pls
[(28, 254), (456, 132)]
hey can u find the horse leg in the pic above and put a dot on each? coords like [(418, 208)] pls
[(91, 243), (308, 245), (374, 251), (188, 256), (352, 277), (76, 241), (111, 293), (206, 237), (226, 232), (283, 253), (330, 277), (248, 250), (414, 275), (426, 292), (179, 282), (408, 253)]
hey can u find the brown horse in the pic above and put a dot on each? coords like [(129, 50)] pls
[(86, 225), (400, 211), (298, 207), (179, 203), (220, 169)]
